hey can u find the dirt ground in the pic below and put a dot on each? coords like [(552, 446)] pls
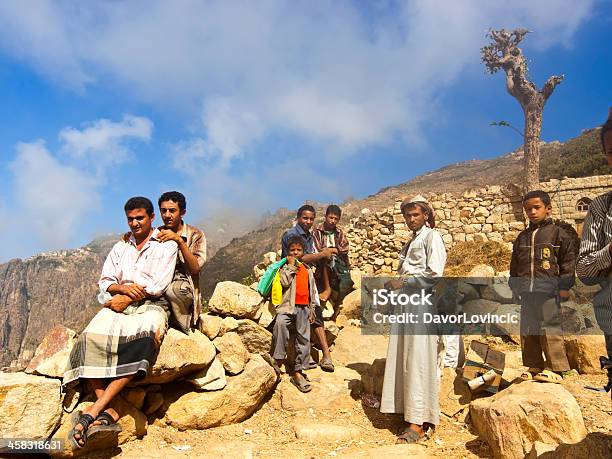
[(270, 431)]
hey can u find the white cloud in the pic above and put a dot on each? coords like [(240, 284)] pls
[(326, 71), (52, 197), (105, 141), (54, 194)]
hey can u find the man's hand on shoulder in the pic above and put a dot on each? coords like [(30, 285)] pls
[(118, 303), (166, 235)]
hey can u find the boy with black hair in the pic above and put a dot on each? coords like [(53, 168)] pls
[(329, 235), (183, 293), (541, 275), (296, 311)]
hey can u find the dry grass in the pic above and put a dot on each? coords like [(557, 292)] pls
[(465, 255)]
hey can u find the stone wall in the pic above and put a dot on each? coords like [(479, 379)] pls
[(487, 214)]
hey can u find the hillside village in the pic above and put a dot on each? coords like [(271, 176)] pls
[(211, 393)]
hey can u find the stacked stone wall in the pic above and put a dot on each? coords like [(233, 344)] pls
[(492, 213)]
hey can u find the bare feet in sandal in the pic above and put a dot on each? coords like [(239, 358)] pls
[(411, 434), (548, 376), (529, 374), (299, 381)]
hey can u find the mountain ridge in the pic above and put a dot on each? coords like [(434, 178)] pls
[(59, 287)]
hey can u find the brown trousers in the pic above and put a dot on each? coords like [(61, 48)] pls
[(541, 332)]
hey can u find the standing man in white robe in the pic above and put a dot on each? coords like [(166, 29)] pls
[(411, 383)]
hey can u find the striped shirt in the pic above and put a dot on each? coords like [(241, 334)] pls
[(594, 259)]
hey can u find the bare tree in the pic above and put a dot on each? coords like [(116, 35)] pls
[(504, 54)]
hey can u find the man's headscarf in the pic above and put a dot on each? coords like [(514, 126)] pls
[(421, 202)]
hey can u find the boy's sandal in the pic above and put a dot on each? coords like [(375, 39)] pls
[(84, 420), (326, 364), (548, 376), (300, 382), (107, 424)]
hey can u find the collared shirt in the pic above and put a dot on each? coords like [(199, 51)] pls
[(196, 242), (152, 266), (594, 259), (325, 239), (297, 230), (424, 256)]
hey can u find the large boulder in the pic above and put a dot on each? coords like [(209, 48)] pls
[(480, 307), (583, 351), (210, 325), (513, 419), (499, 292), (351, 305), (267, 312), (132, 421), (30, 406), (372, 378), (480, 275), (330, 391), (232, 352), (240, 398), (51, 356), (211, 377), (234, 299), (179, 355), (504, 326), (255, 338), (351, 347), (455, 395)]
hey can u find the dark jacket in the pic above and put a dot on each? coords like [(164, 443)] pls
[(543, 260)]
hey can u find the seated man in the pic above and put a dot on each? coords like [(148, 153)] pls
[(184, 290), (328, 235), (122, 340)]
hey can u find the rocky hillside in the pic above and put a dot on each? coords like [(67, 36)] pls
[(59, 287), (578, 157), (46, 290)]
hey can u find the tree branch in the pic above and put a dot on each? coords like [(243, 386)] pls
[(550, 85)]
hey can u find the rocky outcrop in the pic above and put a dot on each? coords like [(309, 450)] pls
[(179, 355), (328, 389), (30, 406), (51, 356), (234, 299), (513, 419), (232, 353), (256, 338), (56, 288), (132, 421), (583, 351), (240, 398), (211, 377), (351, 305)]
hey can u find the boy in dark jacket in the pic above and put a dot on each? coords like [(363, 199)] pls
[(541, 275), (295, 311)]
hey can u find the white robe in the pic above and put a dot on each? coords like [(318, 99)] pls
[(411, 383)]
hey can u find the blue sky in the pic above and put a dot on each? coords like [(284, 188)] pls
[(251, 106)]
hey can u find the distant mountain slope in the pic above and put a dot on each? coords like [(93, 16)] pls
[(579, 157), (60, 287)]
